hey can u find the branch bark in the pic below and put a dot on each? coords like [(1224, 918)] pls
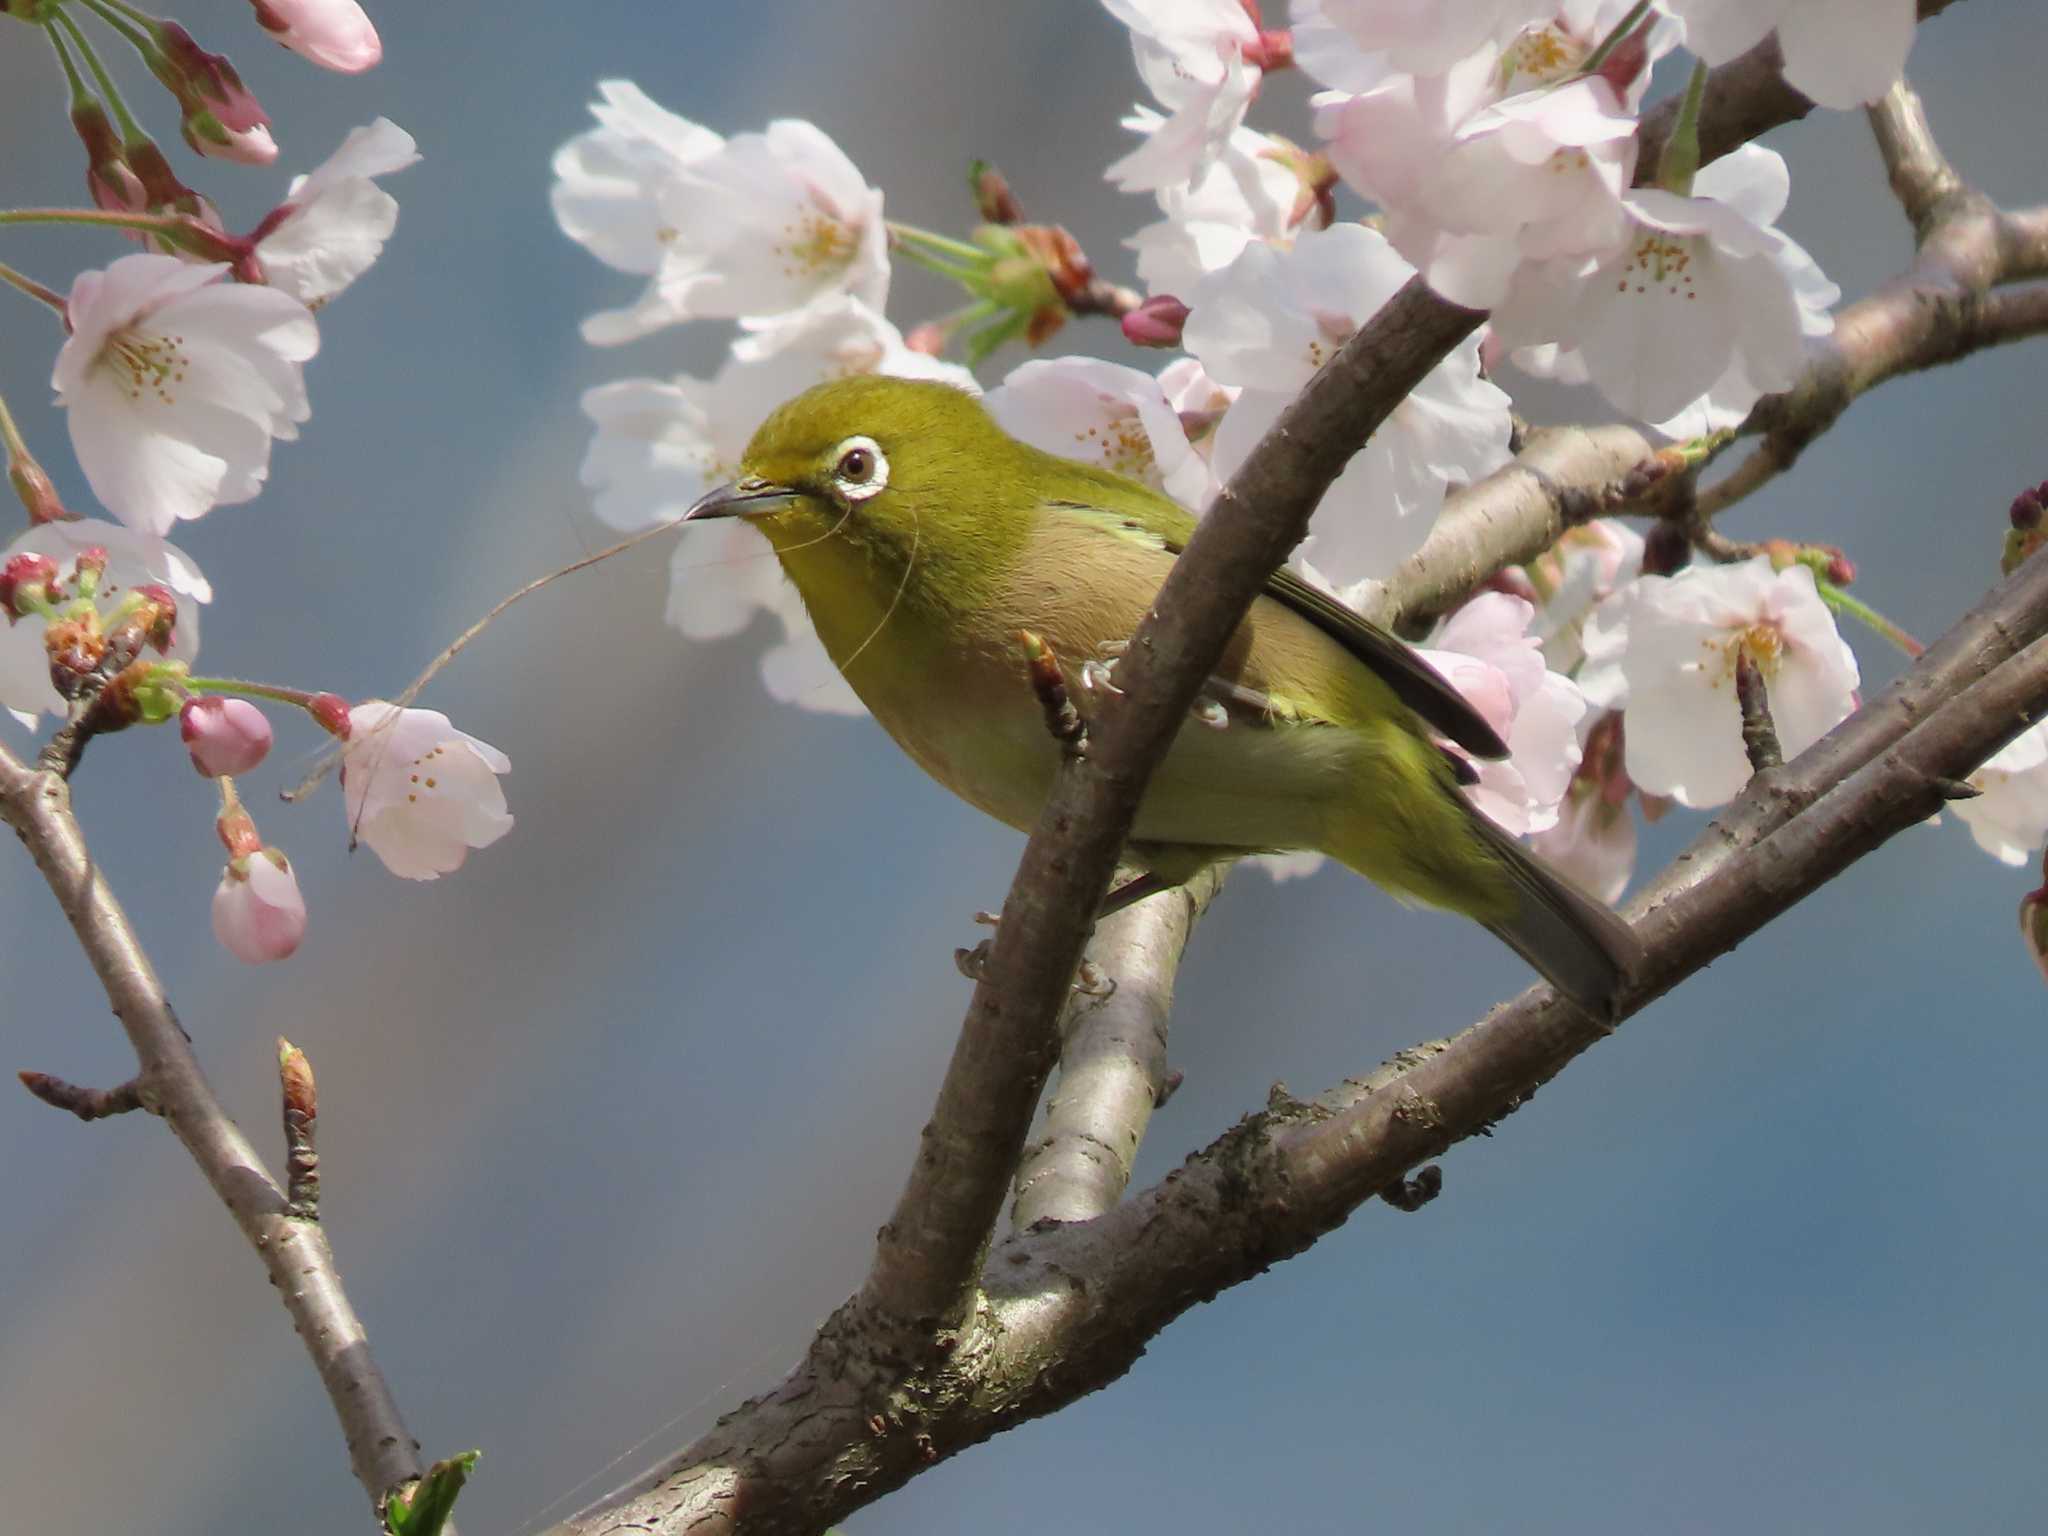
[(1112, 1063), (382, 1453)]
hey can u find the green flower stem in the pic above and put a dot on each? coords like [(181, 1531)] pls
[(10, 434), (131, 130), (31, 287), (135, 28), (967, 277), (910, 236), (1856, 608), (169, 225), (1681, 161), (1615, 38), (299, 698)]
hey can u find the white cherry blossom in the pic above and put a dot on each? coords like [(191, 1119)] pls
[(1842, 53), (1191, 55), (2009, 817), (334, 221), (175, 383), (1486, 651), (1702, 295), (1429, 36), (418, 791), (613, 187), (1677, 639), (1475, 181), (1585, 567), (1247, 194), (1104, 414), (660, 444), (133, 560), (771, 222), (1269, 320), (1593, 841)]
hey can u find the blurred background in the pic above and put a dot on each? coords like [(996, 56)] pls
[(609, 1118)]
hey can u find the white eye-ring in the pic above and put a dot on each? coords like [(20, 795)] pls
[(859, 468)]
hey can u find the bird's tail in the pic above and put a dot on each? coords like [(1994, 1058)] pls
[(1581, 946)]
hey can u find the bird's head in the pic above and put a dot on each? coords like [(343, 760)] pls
[(907, 471)]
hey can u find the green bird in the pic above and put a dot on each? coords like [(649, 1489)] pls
[(925, 540)]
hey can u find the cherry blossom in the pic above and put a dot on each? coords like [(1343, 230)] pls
[(1246, 194), (133, 560), (335, 34), (660, 444), (757, 225), (224, 736), (1270, 319), (1105, 414), (1702, 295), (1842, 53), (613, 185), (1428, 36), (1593, 842), (418, 791), (1486, 651), (176, 383), (258, 913), (1191, 55), (2009, 817), (334, 220), (1585, 567), (1669, 644), (1475, 181)]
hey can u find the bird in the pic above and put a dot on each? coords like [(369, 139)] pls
[(929, 546)]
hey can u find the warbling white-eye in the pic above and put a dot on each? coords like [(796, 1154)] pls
[(924, 540)]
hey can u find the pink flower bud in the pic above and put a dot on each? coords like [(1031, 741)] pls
[(1156, 323), (335, 34), (224, 736), (258, 913), (223, 118), (25, 576)]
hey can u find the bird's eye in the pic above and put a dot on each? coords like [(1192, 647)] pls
[(859, 468)]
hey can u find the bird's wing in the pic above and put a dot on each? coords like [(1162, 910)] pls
[(1414, 681)]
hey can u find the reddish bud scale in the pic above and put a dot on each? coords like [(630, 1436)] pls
[(238, 834), (1272, 49), (77, 652), (1630, 57), (295, 1076), (29, 576), (993, 199), (330, 713)]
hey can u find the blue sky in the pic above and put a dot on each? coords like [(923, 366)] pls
[(610, 1117)]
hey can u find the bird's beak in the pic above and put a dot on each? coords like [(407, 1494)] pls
[(751, 497)]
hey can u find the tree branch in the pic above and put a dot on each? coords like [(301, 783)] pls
[(301, 1264), (1112, 1063)]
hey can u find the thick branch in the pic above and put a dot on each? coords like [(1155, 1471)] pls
[(1112, 1063), (301, 1265)]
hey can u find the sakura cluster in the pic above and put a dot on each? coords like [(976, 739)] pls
[(182, 364)]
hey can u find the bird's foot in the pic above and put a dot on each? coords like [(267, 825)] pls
[(972, 962)]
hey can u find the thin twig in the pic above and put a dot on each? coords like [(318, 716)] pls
[(86, 1103), (1759, 731), (382, 1452)]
